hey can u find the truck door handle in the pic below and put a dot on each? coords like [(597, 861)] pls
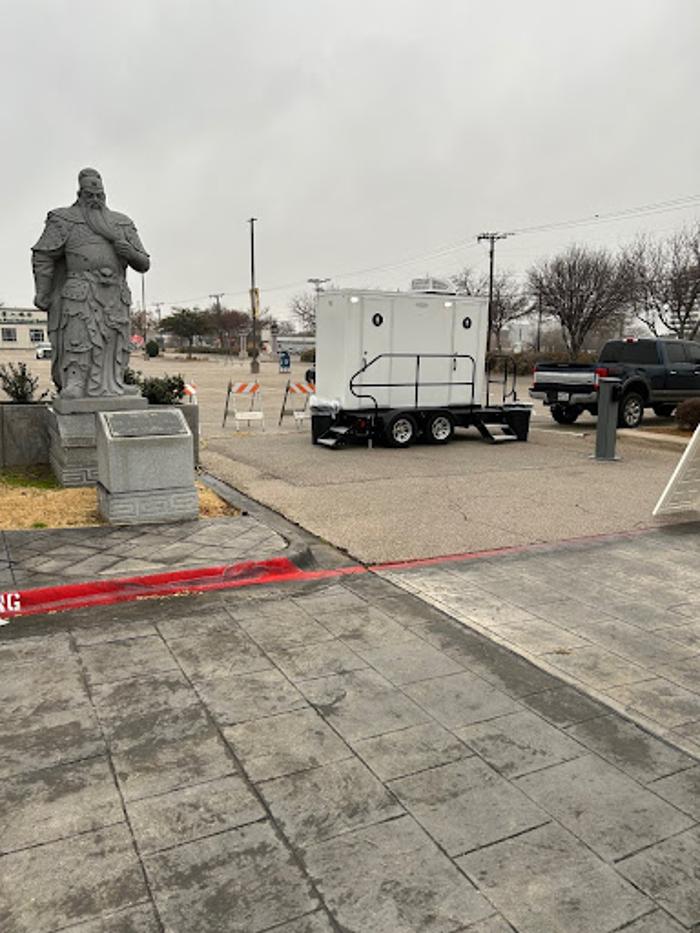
[(672, 372)]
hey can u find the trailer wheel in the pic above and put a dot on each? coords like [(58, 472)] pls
[(400, 431), (440, 428)]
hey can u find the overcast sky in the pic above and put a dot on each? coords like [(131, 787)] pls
[(362, 134)]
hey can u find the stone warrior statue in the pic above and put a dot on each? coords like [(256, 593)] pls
[(79, 268)]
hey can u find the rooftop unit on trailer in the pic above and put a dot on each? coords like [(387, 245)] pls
[(404, 366)]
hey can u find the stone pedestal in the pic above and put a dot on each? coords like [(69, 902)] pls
[(72, 435), (145, 467)]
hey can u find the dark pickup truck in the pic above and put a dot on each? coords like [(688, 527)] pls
[(655, 373)]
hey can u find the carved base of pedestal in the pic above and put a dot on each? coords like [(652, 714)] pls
[(80, 406), (72, 448), (72, 443), (177, 504), (74, 474)]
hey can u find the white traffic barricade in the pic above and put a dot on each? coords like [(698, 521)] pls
[(296, 391), (682, 492), (247, 403)]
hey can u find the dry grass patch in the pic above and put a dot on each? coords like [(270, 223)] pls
[(31, 498)]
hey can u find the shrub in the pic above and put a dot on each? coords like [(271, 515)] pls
[(158, 390), (688, 414), (162, 390), (308, 356), (17, 382), (152, 348)]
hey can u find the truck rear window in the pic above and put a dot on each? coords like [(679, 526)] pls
[(642, 352)]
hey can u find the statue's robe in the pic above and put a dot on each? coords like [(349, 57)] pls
[(81, 282)]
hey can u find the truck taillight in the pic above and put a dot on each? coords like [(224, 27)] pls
[(601, 372)]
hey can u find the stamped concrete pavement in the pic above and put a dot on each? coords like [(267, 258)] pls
[(67, 555), (618, 618), (324, 757)]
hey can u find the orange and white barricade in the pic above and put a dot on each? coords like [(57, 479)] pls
[(297, 390), (242, 393), (190, 392)]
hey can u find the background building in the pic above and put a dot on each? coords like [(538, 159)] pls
[(22, 328)]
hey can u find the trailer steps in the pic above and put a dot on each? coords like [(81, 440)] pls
[(335, 435), (506, 435)]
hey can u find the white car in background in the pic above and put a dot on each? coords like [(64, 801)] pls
[(43, 351)]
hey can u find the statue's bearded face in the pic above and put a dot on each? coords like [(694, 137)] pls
[(92, 195)]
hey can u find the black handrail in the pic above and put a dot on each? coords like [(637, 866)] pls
[(508, 363), (416, 385)]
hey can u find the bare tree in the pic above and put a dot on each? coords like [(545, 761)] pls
[(303, 308), (510, 303), (142, 321), (286, 328), (664, 278), (581, 288), (467, 282)]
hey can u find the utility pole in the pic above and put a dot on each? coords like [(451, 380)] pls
[(491, 237), (318, 286), (217, 296), (254, 301), (539, 319), (143, 306)]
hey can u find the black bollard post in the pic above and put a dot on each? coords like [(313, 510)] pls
[(606, 431)]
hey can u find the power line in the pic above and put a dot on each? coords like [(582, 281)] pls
[(467, 243)]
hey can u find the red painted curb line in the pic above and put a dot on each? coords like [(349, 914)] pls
[(65, 597), (509, 549)]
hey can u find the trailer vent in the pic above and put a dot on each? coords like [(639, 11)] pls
[(432, 286)]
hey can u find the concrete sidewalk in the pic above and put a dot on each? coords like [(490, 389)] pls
[(68, 555), (618, 618), (314, 758)]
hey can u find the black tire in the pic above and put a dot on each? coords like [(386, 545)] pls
[(400, 430), (439, 428), (565, 414), (664, 411), (631, 410)]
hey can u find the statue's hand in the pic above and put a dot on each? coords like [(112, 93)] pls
[(42, 303), (123, 249)]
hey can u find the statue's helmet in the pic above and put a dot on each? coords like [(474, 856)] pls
[(89, 179)]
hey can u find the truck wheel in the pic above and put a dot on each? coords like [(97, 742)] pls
[(664, 411), (565, 414), (440, 428), (631, 410), (400, 431)]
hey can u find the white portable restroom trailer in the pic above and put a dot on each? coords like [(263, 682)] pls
[(405, 366)]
